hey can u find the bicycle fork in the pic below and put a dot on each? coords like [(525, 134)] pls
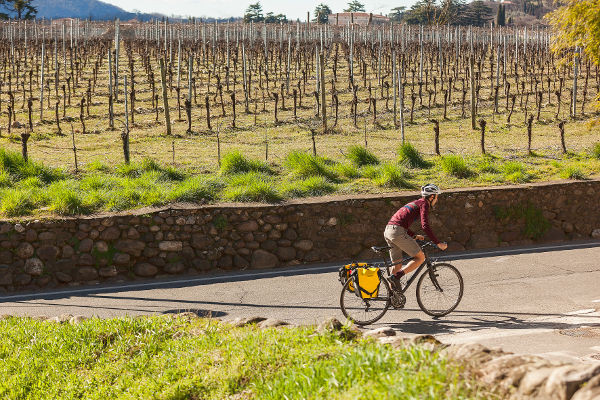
[(433, 276)]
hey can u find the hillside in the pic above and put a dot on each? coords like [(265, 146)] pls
[(94, 9)]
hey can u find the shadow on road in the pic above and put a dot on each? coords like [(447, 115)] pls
[(478, 320)]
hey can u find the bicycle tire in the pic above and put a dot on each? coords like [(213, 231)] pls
[(421, 290), (347, 293)]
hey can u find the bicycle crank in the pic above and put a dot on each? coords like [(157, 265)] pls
[(398, 300)]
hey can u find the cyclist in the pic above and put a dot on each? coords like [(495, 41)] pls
[(401, 239)]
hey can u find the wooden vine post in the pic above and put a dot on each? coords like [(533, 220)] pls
[(323, 102)]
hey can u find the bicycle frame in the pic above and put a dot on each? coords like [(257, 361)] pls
[(426, 264)]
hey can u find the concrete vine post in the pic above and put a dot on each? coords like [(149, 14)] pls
[(323, 98), (163, 81)]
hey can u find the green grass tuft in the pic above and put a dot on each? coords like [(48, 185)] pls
[(235, 163), (360, 156), (17, 202), (347, 171), (65, 200), (314, 186), (573, 172), (516, 172), (306, 165), (251, 187), (596, 151), (392, 176), (486, 166), (456, 166), (198, 189), (97, 166), (13, 164), (409, 155)]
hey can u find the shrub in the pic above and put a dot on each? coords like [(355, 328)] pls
[(306, 165), (392, 176), (360, 156), (456, 166), (572, 172), (516, 172), (370, 171), (197, 189), (596, 151), (314, 186), (235, 163), (409, 155), (134, 170), (251, 187), (5, 180)]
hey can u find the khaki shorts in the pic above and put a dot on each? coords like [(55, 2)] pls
[(400, 241)]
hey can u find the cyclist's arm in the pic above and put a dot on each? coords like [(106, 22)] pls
[(425, 224)]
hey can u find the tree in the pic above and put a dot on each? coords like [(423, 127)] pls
[(451, 12), (355, 6), (577, 23), (322, 12), (501, 15), (22, 8), (254, 13), (477, 14), (275, 19), (397, 14), (423, 12)]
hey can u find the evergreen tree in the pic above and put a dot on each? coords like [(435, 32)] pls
[(254, 13), (397, 14), (501, 15), (423, 12), (477, 14), (20, 9), (322, 12), (355, 6)]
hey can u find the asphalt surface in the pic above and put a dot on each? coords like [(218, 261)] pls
[(535, 300)]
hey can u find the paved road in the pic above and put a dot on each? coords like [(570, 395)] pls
[(543, 300)]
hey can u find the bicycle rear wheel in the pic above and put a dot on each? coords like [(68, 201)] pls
[(443, 296), (364, 311)]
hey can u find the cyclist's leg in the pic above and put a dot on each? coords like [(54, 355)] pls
[(412, 248), (391, 236)]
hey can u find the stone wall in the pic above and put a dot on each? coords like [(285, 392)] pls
[(146, 244)]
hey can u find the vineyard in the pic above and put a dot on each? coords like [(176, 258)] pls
[(111, 116)]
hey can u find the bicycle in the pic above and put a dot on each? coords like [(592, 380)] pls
[(440, 282)]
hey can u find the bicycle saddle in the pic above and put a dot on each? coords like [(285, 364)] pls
[(377, 249)]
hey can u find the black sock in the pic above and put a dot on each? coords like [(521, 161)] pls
[(399, 274)]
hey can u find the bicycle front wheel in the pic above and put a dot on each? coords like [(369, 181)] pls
[(364, 311), (439, 290)]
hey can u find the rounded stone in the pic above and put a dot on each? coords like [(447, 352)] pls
[(31, 235), (286, 253), (108, 271), (24, 250), (121, 258), (145, 270), (110, 233), (48, 252), (174, 267), (34, 266), (304, 245), (67, 251), (264, 259), (20, 228), (101, 246), (87, 274), (85, 245), (225, 262), (47, 236), (248, 226), (240, 262), (63, 277)]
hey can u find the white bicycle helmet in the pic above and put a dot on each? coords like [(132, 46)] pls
[(430, 189)]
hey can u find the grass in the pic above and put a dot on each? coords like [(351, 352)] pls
[(455, 166), (305, 165), (360, 156), (409, 155), (314, 186), (176, 357), (515, 172), (596, 151), (235, 163), (252, 187), (30, 188), (573, 172)]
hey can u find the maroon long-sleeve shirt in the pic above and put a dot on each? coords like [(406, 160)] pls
[(405, 216)]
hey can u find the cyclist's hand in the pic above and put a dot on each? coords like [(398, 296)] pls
[(442, 246), (419, 237)]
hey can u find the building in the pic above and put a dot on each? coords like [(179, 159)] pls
[(359, 18)]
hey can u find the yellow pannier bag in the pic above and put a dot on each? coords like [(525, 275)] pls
[(345, 272), (368, 282)]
